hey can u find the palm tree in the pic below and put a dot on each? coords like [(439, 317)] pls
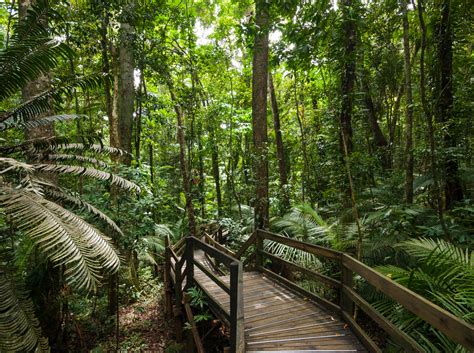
[(31, 203)]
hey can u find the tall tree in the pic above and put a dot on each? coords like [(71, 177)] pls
[(409, 163), (259, 111), (348, 73), (279, 146), (126, 99), (444, 102)]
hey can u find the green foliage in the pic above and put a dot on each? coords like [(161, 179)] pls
[(443, 273)]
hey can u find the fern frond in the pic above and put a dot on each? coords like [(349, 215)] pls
[(64, 237), (20, 330), (89, 172)]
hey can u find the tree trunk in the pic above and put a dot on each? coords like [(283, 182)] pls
[(409, 108), (126, 89), (215, 166), (182, 159), (444, 107), (429, 119), (259, 112), (104, 44), (348, 75), (301, 125), (377, 134), (279, 147)]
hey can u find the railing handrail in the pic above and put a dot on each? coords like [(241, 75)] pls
[(234, 289), (456, 329), (453, 327)]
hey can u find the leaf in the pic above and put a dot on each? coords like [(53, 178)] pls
[(20, 330), (62, 236), (89, 172)]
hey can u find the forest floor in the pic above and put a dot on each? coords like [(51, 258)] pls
[(143, 328)]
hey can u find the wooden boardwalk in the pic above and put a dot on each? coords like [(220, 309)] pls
[(276, 319), (267, 312)]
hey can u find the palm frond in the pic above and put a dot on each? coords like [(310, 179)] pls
[(20, 330), (27, 61), (73, 157), (89, 172), (10, 123), (63, 236), (32, 51), (101, 149), (43, 102), (60, 194)]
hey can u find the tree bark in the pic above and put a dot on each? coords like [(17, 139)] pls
[(348, 75), (182, 159), (429, 119), (377, 134), (279, 147), (409, 163), (444, 107), (126, 88), (215, 166), (104, 45), (259, 112), (304, 149)]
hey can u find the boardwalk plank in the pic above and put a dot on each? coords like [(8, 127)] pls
[(279, 320)]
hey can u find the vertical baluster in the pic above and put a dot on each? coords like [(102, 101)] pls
[(237, 343), (347, 304), (189, 255)]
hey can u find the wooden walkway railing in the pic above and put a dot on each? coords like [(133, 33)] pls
[(345, 307)]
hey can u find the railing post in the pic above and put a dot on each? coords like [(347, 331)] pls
[(347, 304), (237, 339), (167, 279), (189, 256), (258, 248)]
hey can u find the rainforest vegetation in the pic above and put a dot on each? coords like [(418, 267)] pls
[(343, 123)]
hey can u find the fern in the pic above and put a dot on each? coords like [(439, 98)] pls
[(444, 274)]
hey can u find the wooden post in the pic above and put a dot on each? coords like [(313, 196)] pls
[(178, 324), (347, 305), (167, 280), (189, 255), (237, 340), (258, 248)]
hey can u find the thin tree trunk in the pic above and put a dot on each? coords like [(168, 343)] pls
[(377, 134), (183, 160), (429, 119), (215, 166), (409, 163), (138, 122), (348, 72), (259, 112), (444, 107), (104, 44), (279, 146), (300, 119)]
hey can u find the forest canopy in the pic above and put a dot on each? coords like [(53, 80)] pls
[(342, 123)]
